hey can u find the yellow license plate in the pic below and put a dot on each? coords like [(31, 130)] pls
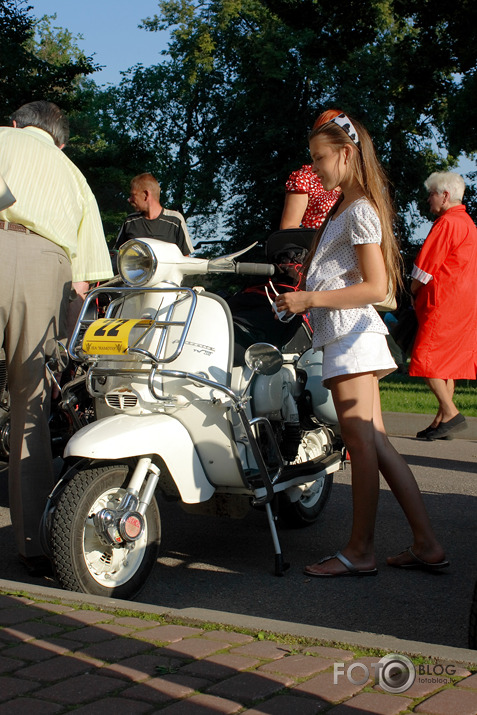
[(109, 336)]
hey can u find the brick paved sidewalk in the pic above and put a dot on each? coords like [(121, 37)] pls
[(58, 658)]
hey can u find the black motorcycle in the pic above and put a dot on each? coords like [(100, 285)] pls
[(71, 407)]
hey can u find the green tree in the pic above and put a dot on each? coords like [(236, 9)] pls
[(279, 62), (412, 81), (37, 61)]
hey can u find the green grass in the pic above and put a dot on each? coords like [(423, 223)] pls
[(401, 393)]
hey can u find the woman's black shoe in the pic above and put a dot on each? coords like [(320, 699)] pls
[(445, 430), (424, 432)]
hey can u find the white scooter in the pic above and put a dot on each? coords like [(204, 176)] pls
[(175, 415)]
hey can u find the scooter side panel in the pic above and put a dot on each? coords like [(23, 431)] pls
[(312, 363), (123, 436), (208, 351)]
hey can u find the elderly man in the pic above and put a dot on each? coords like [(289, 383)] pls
[(445, 298), (151, 219), (50, 238)]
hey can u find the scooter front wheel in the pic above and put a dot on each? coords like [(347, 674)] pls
[(82, 562)]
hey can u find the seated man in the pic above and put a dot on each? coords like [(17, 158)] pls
[(151, 219)]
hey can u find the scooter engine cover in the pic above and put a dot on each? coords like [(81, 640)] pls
[(267, 394), (322, 402)]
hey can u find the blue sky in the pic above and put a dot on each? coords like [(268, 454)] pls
[(110, 31)]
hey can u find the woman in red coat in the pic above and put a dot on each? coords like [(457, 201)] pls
[(444, 289)]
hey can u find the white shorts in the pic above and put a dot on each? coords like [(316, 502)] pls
[(356, 353)]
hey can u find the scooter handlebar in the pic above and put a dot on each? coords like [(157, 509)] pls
[(255, 269)]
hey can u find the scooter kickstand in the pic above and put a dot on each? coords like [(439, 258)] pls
[(280, 565)]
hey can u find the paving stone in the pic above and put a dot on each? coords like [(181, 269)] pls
[(220, 666), (298, 666), (7, 665), (117, 649), (203, 705), (27, 632), (468, 682), (57, 644), (329, 652), (442, 669), (264, 649), (28, 652), (191, 648), (75, 618), (57, 668), (374, 703), (79, 690), (228, 636), (98, 633), (6, 601), (55, 607), (452, 700), (17, 614), (50, 646), (141, 667), (29, 706), (289, 705), (11, 687), (107, 706), (12, 600), (168, 687), (169, 634), (322, 686), (248, 687), (134, 622), (421, 687)]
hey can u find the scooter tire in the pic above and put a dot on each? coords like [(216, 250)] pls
[(81, 561), (305, 511)]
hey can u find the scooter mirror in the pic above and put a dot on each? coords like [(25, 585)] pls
[(263, 359)]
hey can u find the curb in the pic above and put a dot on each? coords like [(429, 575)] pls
[(332, 636), (407, 424)]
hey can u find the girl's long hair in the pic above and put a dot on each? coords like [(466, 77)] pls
[(375, 186)]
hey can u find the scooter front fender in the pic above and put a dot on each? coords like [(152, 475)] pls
[(124, 436)]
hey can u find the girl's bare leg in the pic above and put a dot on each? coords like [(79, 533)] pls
[(404, 487), (353, 397)]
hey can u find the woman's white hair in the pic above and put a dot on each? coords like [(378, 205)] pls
[(441, 181)]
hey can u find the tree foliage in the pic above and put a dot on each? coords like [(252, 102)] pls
[(270, 66), (37, 60), (223, 119)]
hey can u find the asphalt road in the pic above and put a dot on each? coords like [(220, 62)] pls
[(227, 565)]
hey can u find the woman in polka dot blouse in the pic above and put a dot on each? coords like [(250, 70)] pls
[(306, 202), (354, 256)]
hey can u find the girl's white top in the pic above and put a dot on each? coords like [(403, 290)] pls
[(335, 265)]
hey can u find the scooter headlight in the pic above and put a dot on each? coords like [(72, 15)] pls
[(136, 263)]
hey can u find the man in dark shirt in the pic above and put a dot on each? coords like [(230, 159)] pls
[(152, 220)]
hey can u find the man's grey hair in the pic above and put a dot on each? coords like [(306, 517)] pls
[(441, 181), (44, 115)]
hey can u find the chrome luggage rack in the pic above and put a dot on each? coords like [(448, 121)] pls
[(137, 350)]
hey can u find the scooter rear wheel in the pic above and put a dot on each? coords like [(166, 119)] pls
[(82, 562), (309, 506)]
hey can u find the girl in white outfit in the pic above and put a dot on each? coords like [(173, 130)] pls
[(355, 259)]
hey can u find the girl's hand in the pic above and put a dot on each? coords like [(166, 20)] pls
[(293, 302)]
